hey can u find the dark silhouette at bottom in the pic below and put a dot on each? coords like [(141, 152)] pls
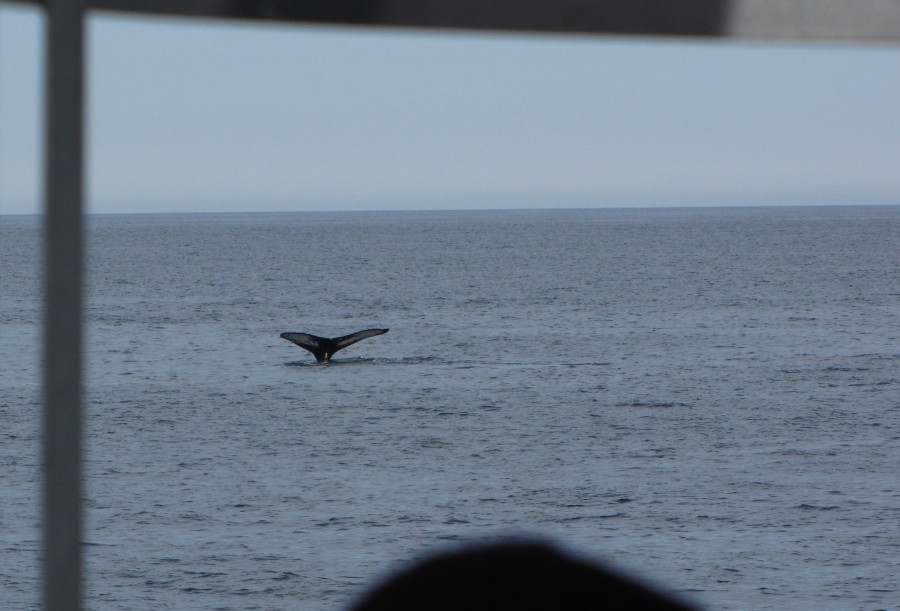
[(522, 576)]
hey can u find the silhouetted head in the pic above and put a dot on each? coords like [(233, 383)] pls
[(520, 576)]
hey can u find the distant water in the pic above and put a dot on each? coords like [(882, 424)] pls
[(707, 397)]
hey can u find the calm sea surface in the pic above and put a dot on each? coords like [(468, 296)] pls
[(707, 397)]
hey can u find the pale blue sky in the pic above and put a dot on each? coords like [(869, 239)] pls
[(189, 115)]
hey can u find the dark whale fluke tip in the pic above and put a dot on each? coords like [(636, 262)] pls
[(323, 348)]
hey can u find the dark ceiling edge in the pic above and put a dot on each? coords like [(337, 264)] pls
[(647, 17), (856, 21)]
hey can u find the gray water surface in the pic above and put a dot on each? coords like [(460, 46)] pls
[(707, 397)]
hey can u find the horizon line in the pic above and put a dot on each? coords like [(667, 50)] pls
[(89, 213)]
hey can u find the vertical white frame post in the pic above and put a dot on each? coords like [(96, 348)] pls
[(63, 304)]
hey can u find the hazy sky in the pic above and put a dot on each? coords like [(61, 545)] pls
[(188, 115)]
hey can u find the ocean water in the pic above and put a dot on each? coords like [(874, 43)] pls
[(709, 398)]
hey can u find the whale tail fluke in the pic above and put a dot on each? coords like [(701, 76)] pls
[(323, 348)]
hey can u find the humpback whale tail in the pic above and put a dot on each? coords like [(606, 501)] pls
[(323, 348)]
